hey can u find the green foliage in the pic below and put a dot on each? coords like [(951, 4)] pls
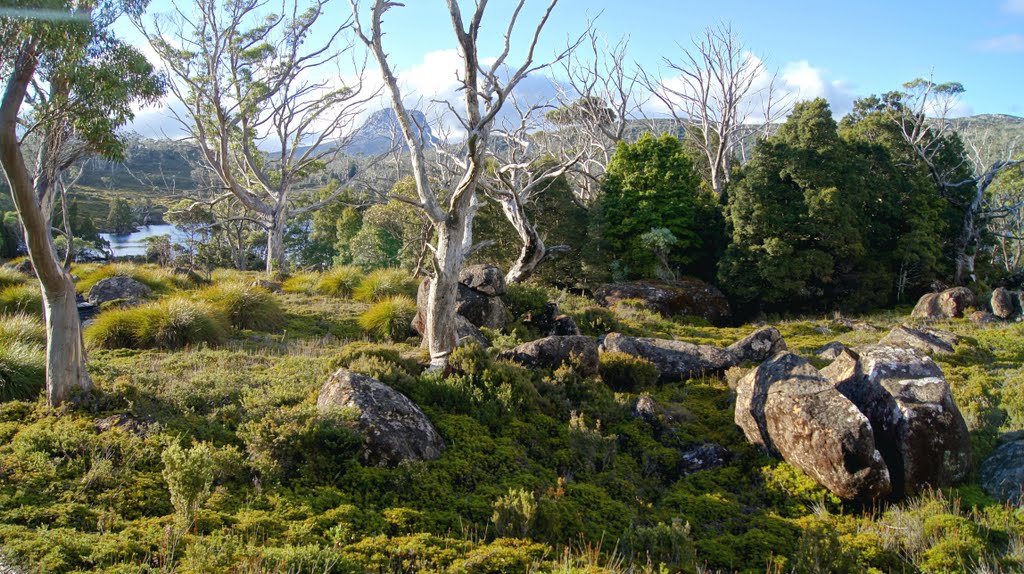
[(22, 369), (514, 513), (245, 306), (383, 283), (525, 300), (23, 298), (159, 279), (340, 281), (389, 318), (120, 220), (627, 373), (10, 277), (23, 328), (304, 283), (170, 323), (189, 477)]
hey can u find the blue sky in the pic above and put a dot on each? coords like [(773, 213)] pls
[(837, 50)]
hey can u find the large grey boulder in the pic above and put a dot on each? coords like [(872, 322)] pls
[(787, 407), (466, 332), (1002, 303), (552, 352), (688, 297), (396, 430), (758, 346), (484, 278), (830, 351), (929, 341), (1002, 473), (479, 309), (949, 304), (918, 428), (118, 287), (676, 360)]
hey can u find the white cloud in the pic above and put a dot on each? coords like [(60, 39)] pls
[(807, 82), (1014, 6), (1010, 43)]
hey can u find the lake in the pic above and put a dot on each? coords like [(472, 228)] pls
[(135, 243)]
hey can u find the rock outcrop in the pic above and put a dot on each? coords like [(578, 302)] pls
[(118, 288), (479, 308), (484, 278), (396, 430), (1002, 473), (676, 360), (948, 304), (688, 297), (758, 346), (929, 341), (1002, 303), (552, 352)]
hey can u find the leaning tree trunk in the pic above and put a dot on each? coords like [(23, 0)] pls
[(275, 240), (532, 251), (65, 351)]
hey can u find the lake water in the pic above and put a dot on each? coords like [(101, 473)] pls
[(135, 243)]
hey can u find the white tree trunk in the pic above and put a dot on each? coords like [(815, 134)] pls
[(275, 240), (442, 303), (65, 351), (532, 250)]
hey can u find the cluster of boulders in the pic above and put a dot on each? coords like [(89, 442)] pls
[(880, 420), (1004, 305), (686, 297)]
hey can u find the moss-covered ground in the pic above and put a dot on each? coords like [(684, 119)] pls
[(214, 459)]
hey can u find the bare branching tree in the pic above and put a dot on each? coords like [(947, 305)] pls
[(721, 93), (485, 89), (259, 102)]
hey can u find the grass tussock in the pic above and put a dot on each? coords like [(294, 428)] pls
[(22, 328), (340, 281), (301, 283), (25, 298), (159, 279), (10, 277), (171, 323), (22, 370), (389, 318), (245, 306), (383, 283)]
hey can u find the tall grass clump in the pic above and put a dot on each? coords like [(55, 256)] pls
[(389, 318), (340, 281), (245, 306), (170, 323), (22, 370), (158, 279), (383, 283), (25, 298), (10, 277), (304, 283), (23, 328)]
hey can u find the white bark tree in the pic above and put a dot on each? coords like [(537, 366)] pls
[(69, 85), (721, 94), (485, 89), (251, 83)]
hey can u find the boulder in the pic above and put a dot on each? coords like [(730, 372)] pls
[(396, 430), (786, 406), (758, 346), (118, 287), (830, 351), (929, 341), (481, 310), (265, 284), (1002, 473), (1002, 303), (484, 278), (24, 266), (552, 352), (466, 331), (983, 318), (676, 360), (688, 297), (565, 326), (918, 428), (703, 457), (949, 304)]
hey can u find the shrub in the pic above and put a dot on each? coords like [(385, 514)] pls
[(514, 513), (21, 299), (376, 360), (390, 318), (597, 321), (158, 279), (10, 277), (22, 370), (189, 476), (168, 324), (383, 283), (626, 373), (245, 306), (525, 299), (304, 283), (340, 281), (23, 328)]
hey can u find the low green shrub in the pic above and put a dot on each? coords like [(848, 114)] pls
[(514, 513), (189, 477), (389, 318), (9, 277), (23, 328), (340, 281), (523, 300), (23, 298), (596, 321), (166, 324), (22, 370), (380, 284), (304, 283), (245, 306), (626, 373)]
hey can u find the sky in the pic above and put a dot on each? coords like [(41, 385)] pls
[(836, 50)]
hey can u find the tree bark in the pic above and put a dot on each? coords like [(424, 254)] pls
[(275, 239), (532, 249), (65, 350), (442, 303)]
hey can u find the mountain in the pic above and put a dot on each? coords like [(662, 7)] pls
[(382, 131)]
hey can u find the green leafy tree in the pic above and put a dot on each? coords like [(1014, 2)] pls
[(120, 220), (651, 184)]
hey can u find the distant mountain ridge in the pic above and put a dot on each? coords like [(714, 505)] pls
[(382, 132)]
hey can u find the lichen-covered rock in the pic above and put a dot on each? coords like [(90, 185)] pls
[(1002, 473), (688, 297), (118, 288), (552, 352), (758, 346), (830, 351), (396, 430), (676, 360), (703, 457), (565, 326), (929, 341), (481, 310), (786, 406), (918, 428), (487, 279), (983, 318), (1002, 303), (949, 304)]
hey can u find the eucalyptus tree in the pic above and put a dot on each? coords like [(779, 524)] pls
[(70, 85), (486, 86), (260, 98)]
